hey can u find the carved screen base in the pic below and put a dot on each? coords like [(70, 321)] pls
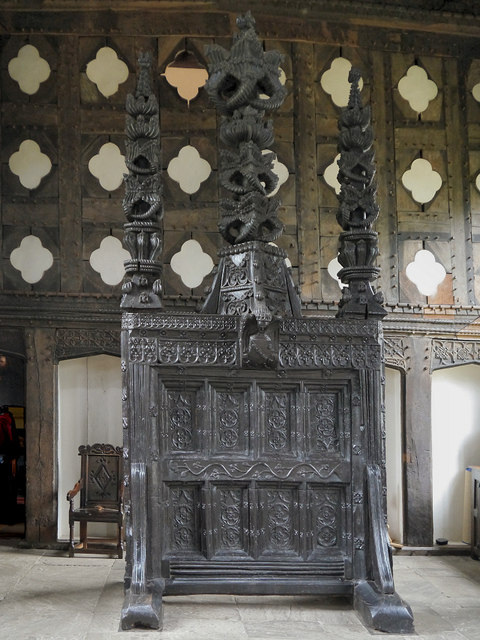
[(255, 481)]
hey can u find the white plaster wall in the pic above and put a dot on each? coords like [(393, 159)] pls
[(455, 444), (89, 411), (393, 427)]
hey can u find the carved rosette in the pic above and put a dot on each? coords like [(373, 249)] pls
[(252, 278), (358, 210), (142, 203)]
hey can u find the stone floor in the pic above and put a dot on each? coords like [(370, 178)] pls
[(44, 595)]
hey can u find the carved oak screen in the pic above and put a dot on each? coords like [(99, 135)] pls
[(253, 436)]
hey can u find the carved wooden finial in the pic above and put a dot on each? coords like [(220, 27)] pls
[(358, 208), (244, 83), (142, 202)]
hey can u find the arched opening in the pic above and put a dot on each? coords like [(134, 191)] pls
[(455, 446), (12, 445), (394, 452), (89, 411)]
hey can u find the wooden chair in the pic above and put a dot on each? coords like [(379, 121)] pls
[(101, 493)]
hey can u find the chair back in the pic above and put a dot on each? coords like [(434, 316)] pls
[(101, 471)]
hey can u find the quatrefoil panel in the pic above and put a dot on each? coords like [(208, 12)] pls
[(32, 259), (192, 264), (108, 166), (422, 181), (186, 74), (30, 164), (417, 88), (29, 69), (189, 169), (108, 260), (425, 272), (107, 71), (335, 81)]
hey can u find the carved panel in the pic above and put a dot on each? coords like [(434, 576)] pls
[(326, 507), (230, 520), (231, 423), (181, 421), (323, 432), (246, 470), (278, 514), (447, 353), (277, 422), (395, 352), (74, 342), (183, 519), (183, 352), (179, 322), (297, 355)]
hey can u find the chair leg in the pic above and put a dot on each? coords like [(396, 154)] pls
[(71, 546), (120, 540), (83, 535)]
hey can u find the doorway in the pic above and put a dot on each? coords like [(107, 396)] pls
[(12, 446), (89, 411), (394, 452), (455, 447)]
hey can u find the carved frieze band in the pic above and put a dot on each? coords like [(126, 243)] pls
[(70, 342), (224, 353), (329, 327), (249, 471), (446, 353), (291, 326), (395, 352), (180, 322), (150, 350), (305, 355)]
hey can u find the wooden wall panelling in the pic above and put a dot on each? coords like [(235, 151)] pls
[(459, 200), (418, 445), (41, 497), (69, 140), (384, 146), (306, 178)]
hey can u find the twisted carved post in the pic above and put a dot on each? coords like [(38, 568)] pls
[(358, 244), (142, 203), (252, 279)]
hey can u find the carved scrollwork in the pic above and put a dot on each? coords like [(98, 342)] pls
[(256, 470)]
